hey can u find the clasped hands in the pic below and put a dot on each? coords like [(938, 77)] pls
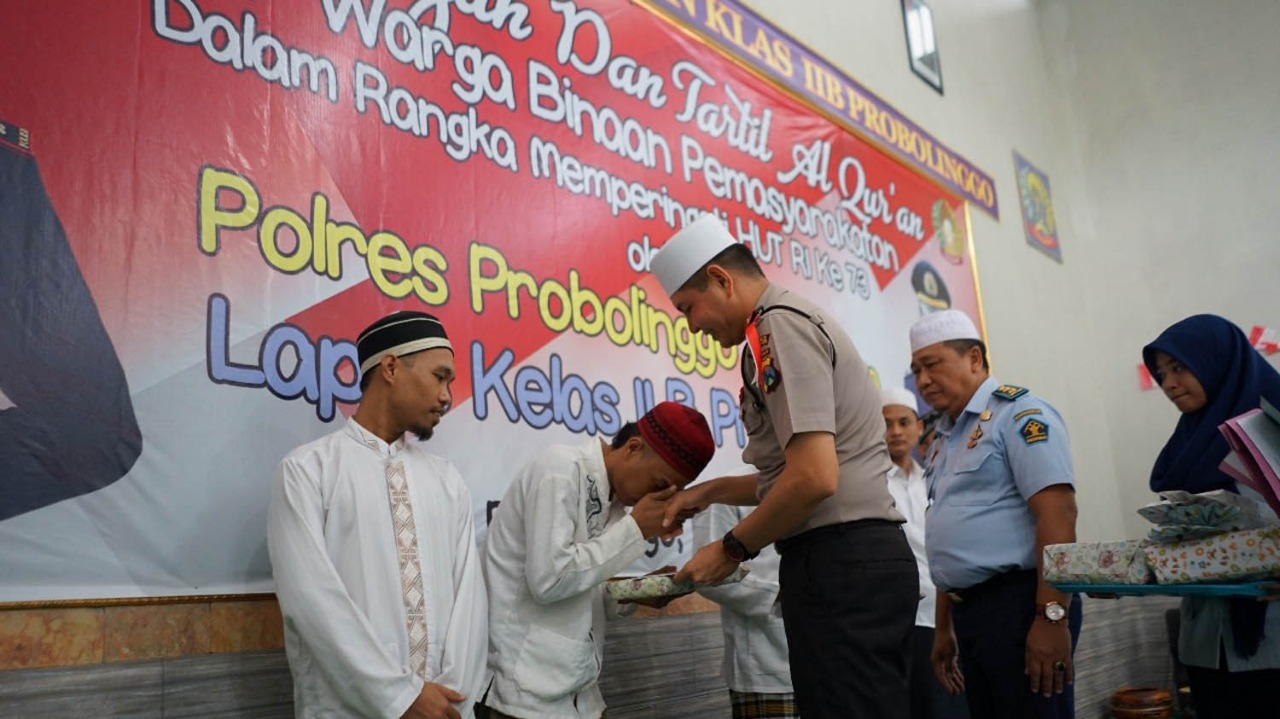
[(662, 514)]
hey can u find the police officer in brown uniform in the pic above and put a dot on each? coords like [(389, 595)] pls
[(849, 584)]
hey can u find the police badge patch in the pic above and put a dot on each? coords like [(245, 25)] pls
[(1035, 431), (770, 375)]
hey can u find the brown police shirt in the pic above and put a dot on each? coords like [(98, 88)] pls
[(812, 379)]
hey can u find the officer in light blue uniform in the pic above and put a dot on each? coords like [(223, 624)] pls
[(1005, 446), (1001, 487)]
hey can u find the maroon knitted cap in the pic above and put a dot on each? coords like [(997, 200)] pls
[(680, 436)]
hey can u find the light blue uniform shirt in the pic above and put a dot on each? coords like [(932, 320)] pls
[(979, 524)]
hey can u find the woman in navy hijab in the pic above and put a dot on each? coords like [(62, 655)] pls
[(1207, 368)]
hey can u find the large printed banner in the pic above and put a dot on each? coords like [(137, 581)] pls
[(202, 202), (774, 54)]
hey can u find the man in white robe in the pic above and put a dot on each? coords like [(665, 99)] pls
[(561, 531), (756, 667), (373, 550)]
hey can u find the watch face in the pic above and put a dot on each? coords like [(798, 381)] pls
[(1054, 612)]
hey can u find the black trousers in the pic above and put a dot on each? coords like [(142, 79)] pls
[(991, 625), (1222, 694), (928, 699), (849, 595)]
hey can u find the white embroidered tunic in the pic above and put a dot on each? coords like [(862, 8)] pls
[(334, 557)]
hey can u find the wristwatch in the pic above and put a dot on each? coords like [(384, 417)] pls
[(1052, 612), (735, 550)]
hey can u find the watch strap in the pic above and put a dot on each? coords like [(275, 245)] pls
[(735, 550)]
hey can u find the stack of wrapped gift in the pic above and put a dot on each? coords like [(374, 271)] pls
[(1121, 562), (1217, 559), (1211, 538)]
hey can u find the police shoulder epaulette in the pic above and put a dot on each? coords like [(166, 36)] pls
[(1008, 391), (817, 322)]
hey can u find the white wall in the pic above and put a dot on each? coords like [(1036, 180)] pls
[(1156, 122), (1173, 118)]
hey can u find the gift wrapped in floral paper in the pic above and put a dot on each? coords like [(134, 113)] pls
[(655, 586), (1218, 508), (1235, 556), (1181, 516), (1120, 562)]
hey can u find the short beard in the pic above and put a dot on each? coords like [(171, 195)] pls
[(424, 434)]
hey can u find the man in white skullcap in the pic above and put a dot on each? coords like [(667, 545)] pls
[(848, 581), (1001, 487), (902, 432), (373, 550)]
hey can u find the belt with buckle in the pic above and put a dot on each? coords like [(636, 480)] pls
[(959, 596), (796, 540)]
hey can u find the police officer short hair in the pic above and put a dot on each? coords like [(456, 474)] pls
[(736, 258), (963, 347)]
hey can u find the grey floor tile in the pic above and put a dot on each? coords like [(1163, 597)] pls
[(254, 684), (105, 690)]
